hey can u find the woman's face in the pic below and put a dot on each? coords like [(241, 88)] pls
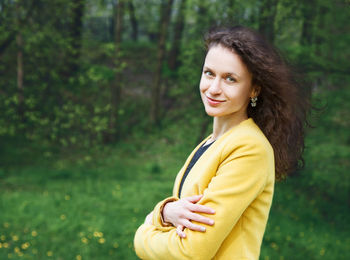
[(226, 84)]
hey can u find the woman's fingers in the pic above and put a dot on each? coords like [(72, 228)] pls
[(181, 212), (180, 232), (192, 226), (200, 219), (200, 208), (197, 207)]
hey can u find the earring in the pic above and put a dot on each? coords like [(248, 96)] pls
[(253, 101)]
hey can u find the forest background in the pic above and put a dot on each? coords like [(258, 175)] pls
[(100, 107)]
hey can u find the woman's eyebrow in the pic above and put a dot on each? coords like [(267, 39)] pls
[(231, 73), (225, 73), (206, 68)]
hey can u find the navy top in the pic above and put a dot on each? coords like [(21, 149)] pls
[(193, 161)]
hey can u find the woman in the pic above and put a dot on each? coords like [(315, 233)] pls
[(223, 194)]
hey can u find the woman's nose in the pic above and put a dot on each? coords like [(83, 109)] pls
[(215, 87)]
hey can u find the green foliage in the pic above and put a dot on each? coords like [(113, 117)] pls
[(91, 198), (67, 99), (56, 187)]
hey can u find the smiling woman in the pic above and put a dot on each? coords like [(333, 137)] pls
[(226, 86), (223, 194)]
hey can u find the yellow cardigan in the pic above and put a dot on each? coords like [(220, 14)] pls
[(236, 177)]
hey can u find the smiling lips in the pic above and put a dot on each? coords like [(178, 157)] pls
[(214, 102)]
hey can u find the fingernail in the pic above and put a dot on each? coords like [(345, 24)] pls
[(211, 222), (202, 228)]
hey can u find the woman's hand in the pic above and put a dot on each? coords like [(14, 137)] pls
[(149, 218), (180, 213)]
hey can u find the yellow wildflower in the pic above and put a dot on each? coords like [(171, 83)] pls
[(274, 245), (322, 251), (34, 233), (101, 240), (98, 234), (25, 245), (49, 253)]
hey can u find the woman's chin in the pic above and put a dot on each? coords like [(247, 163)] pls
[(211, 113)]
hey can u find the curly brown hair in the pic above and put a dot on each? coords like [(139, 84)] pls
[(281, 107)]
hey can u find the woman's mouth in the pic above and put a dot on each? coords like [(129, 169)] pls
[(214, 102)]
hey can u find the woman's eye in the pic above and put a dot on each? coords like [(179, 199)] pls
[(230, 79), (208, 73)]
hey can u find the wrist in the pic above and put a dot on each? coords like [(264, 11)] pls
[(160, 216), (164, 215)]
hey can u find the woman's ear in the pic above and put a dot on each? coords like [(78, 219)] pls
[(255, 91)]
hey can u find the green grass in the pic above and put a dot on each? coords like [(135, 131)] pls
[(77, 204)]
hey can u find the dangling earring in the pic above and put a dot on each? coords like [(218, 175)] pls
[(253, 101)]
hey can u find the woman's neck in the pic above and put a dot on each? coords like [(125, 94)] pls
[(222, 124)]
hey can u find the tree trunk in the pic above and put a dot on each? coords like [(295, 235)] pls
[(116, 86), (320, 26), (307, 41), (75, 37), (6, 43), (5, 12), (78, 12), (156, 91), (20, 75), (320, 56), (267, 14), (133, 21), (308, 21), (19, 41), (231, 12), (179, 27), (204, 19)]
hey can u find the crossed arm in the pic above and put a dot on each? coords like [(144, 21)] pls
[(180, 213), (237, 183)]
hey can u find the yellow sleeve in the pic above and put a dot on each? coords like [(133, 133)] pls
[(240, 178)]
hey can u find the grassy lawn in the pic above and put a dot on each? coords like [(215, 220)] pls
[(76, 204)]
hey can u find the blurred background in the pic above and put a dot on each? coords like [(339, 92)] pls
[(100, 108)]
